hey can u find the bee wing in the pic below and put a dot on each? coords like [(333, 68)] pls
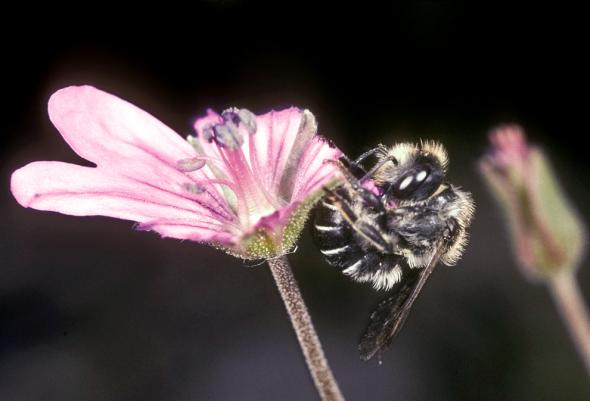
[(389, 316), (386, 320)]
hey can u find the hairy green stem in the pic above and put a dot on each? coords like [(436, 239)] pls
[(306, 334), (570, 303)]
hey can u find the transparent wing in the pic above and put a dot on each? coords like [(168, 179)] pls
[(389, 316)]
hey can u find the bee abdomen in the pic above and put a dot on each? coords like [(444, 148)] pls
[(337, 246), (381, 270), (333, 236), (350, 252)]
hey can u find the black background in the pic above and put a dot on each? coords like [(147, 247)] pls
[(91, 310)]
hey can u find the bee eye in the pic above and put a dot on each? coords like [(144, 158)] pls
[(418, 183)]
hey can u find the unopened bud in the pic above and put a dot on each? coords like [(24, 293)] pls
[(547, 235)]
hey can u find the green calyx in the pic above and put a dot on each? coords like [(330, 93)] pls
[(268, 243)]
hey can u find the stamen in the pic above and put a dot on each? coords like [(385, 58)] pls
[(193, 188), (230, 193), (195, 143), (244, 116), (230, 114), (248, 119), (190, 164), (213, 181), (227, 135), (208, 132)]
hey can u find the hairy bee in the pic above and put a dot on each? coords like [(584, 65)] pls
[(395, 220)]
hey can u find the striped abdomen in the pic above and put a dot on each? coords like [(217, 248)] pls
[(347, 250)]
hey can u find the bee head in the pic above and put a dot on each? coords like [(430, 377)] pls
[(415, 171)]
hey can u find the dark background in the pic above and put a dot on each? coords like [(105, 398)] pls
[(91, 310)]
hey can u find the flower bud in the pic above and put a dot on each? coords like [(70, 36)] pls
[(547, 234)]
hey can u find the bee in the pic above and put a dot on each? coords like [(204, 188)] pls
[(390, 224)]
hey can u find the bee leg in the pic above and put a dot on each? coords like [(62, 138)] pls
[(367, 154), (376, 167), (372, 235), (355, 186), (352, 181), (354, 166)]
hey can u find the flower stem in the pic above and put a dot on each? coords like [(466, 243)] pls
[(306, 334), (566, 294)]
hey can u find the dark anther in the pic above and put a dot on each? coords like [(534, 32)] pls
[(231, 114), (227, 133), (244, 116), (248, 119)]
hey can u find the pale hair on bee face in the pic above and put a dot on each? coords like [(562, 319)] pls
[(405, 153)]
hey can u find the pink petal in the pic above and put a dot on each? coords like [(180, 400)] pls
[(119, 137), (270, 148), (314, 169), (280, 218), (86, 191), (105, 129)]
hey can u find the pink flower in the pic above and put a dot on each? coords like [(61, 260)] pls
[(546, 232), (246, 183)]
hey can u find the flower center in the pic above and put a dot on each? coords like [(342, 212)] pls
[(247, 196), (227, 134)]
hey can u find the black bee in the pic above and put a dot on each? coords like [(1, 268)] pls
[(396, 219)]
